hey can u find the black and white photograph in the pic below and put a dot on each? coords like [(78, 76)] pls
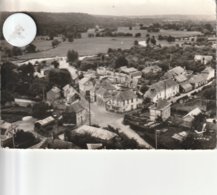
[(108, 75)]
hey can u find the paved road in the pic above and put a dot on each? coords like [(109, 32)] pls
[(132, 134), (174, 99)]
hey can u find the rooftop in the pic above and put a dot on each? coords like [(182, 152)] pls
[(123, 95), (160, 105), (96, 132), (75, 107)]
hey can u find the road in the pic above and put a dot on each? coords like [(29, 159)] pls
[(131, 134), (174, 99)]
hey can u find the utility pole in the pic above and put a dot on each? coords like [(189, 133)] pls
[(89, 111), (156, 137), (88, 98)]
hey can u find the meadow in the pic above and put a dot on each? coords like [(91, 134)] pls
[(84, 46), (91, 46)]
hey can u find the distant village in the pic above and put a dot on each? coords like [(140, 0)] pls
[(138, 98)]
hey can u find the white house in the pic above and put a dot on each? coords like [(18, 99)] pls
[(203, 58), (69, 92), (123, 101), (178, 74), (209, 73), (160, 109), (162, 90)]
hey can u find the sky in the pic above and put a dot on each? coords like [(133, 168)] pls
[(114, 7)]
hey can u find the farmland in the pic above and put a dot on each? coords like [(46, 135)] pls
[(91, 46), (85, 46)]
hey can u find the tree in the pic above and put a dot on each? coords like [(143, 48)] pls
[(121, 61), (31, 48), (136, 43), (40, 110), (55, 43), (170, 39), (55, 64), (153, 40), (138, 35), (198, 121), (59, 77), (70, 37), (144, 88), (51, 36), (72, 56), (16, 51), (24, 139), (27, 71), (6, 96)]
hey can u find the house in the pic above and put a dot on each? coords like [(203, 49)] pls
[(24, 102), (123, 101), (152, 69), (86, 84), (209, 73), (185, 87), (198, 80), (203, 58), (45, 123), (131, 72), (189, 118), (95, 132), (121, 78), (53, 94), (69, 93), (160, 109), (74, 114), (87, 87), (104, 91), (178, 74), (126, 70), (162, 90)]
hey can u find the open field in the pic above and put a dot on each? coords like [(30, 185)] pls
[(175, 33), (85, 46)]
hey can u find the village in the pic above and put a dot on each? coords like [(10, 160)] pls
[(137, 98)]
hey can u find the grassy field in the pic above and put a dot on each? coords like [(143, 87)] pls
[(86, 46), (91, 46), (175, 33)]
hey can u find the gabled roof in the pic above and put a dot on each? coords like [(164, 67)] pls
[(55, 89), (186, 86), (75, 107), (135, 74), (193, 113), (207, 70), (124, 95), (161, 85), (151, 68), (175, 72), (95, 132), (181, 78), (160, 105), (197, 78)]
